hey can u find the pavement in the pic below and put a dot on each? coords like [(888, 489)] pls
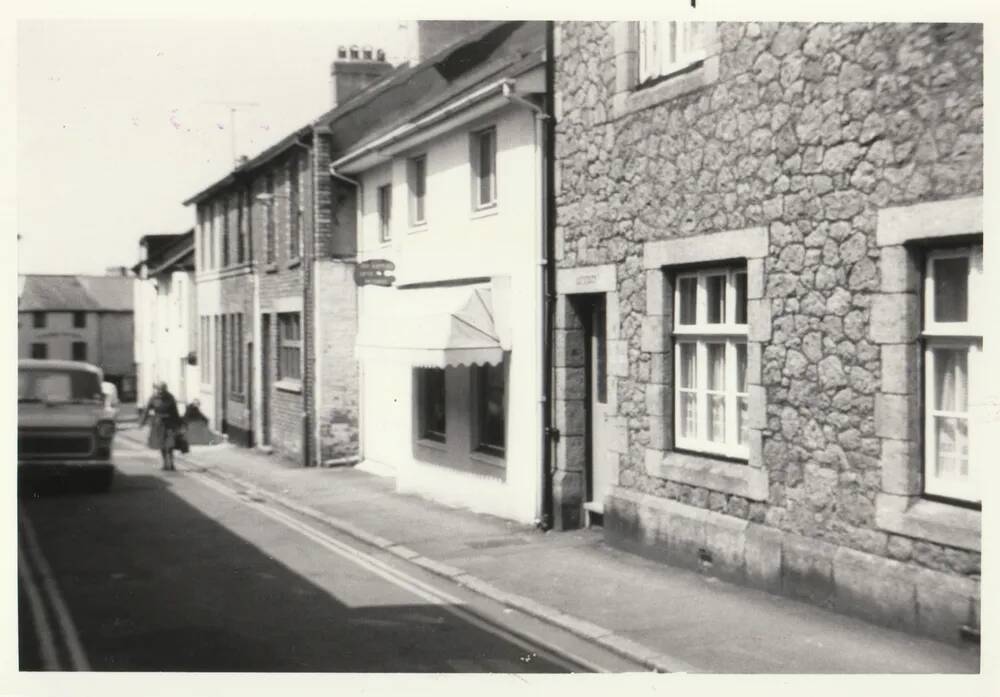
[(663, 618)]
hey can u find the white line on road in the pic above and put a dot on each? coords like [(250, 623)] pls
[(397, 577), (78, 658), (39, 615)]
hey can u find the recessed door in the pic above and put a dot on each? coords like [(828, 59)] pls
[(599, 470), (265, 379)]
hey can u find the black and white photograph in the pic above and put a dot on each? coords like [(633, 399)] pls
[(653, 346)]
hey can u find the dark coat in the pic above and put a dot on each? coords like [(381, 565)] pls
[(166, 421)]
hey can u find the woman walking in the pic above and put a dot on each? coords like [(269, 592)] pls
[(165, 425)]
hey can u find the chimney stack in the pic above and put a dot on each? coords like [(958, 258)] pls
[(355, 69)]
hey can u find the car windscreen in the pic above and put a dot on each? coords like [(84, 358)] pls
[(54, 385)]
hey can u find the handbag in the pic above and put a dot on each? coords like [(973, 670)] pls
[(181, 441)]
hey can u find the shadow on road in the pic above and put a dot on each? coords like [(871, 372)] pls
[(155, 584)]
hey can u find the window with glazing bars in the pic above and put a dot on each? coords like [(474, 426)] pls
[(668, 47), (710, 359), (484, 168), (289, 346), (269, 220), (385, 213), (952, 339), (294, 210)]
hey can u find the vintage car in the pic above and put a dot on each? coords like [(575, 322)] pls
[(65, 424)]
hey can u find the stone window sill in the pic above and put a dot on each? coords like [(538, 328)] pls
[(930, 520), (271, 268), (295, 262), (728, 477), (289, 385), (700, 75)]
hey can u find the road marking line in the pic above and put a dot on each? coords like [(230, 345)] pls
[(403, 580), (78, 658), (39, 615)]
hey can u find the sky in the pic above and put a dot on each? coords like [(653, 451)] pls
[(120, 121)]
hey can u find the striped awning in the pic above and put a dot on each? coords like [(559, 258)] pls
[(431, 327)]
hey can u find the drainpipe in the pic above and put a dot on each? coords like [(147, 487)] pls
[(257, 379), (549, 434), (309, 453)]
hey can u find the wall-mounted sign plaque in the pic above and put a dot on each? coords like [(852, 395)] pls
[(374, 272)]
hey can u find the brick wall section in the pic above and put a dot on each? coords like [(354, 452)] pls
[(328, 229), (236, 298), (285, 279), (807, 131), (334, 247), (338, 412)]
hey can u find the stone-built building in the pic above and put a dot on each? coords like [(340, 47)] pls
[(81, 318), (769, 350)]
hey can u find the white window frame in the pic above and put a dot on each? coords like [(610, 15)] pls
[(383, 207), (478, 203), (411, 180), (295, 233), (943, 335), (285, 344), (701, 334), (658, 40)]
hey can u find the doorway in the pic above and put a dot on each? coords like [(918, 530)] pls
[(249, 385), (265, 380), (599, 465)]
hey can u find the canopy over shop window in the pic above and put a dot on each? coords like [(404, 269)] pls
[(432, 327)]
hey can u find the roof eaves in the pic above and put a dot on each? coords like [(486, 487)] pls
[(255, 163)]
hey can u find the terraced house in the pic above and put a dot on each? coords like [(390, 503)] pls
[(276, 294), (447, 155), (770, 313)]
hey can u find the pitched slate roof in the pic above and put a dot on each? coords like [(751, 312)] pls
[(498, 49), (51, 292), (408, 90), (167, 252)]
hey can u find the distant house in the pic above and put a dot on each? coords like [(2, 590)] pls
[(77, 317), (166, 326)]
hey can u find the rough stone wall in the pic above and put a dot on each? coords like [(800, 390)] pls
[(808, 131)]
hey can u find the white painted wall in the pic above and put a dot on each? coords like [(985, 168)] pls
[(166, 330), (459, 243)]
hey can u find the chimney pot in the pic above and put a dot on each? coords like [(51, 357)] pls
[(355, 69)]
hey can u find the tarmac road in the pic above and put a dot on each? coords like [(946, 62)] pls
[(181, 572)]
